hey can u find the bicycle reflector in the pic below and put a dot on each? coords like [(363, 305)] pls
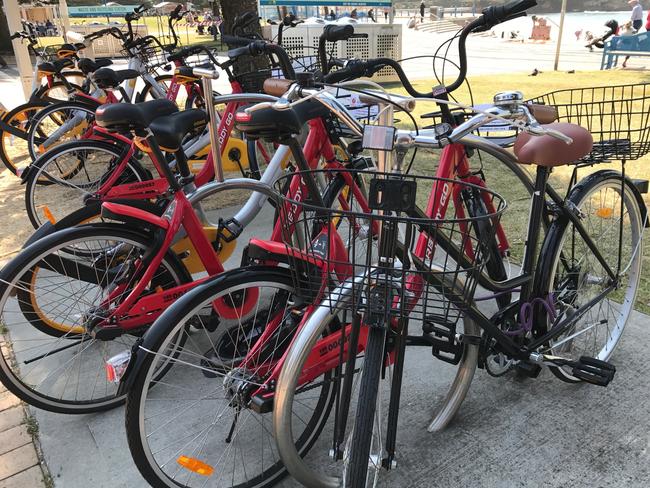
[(116, 366), (605, 212), (48, 214), (196, 466)]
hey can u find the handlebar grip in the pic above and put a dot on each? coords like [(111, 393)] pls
[(544, 114), (515, 7), (16, 35), (143, 7), (235, 41), (276, 87), (495, 15), (288, 20), (238, 51), (353, 69), (174, 14), (333, 33)]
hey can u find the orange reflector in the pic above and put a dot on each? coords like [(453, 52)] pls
[(116, 366), (604, 212), (196, 466), (110, 373), (48, 214)]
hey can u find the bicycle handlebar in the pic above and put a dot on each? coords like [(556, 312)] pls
[(332, 33), (491, 17), (259, 48)]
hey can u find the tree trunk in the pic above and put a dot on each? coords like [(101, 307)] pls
[(5, 42), (251, 71), (231, 8)]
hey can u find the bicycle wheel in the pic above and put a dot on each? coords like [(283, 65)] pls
[(59, 180), (573, 276), (13, 150), (51, 297), (483, 228), (55, 93), (360, 462), (57, 124), (199, 426), (451, 384)]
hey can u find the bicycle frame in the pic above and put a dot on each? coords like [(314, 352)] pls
[(184, 213)]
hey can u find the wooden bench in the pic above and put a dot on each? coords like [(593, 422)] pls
[(635, 45)]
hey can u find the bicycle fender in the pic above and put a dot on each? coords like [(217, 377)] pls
[(83, 215)]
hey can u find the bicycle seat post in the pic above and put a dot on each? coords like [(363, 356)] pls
[(385, 118), (206, 78)]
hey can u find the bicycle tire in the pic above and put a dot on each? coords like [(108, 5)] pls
[(38, 135), (46, 93), (357, 455), (58, 326), (459, 383), (58, 192), (15, 157), (484, 230), (586, 196), (174, 320)]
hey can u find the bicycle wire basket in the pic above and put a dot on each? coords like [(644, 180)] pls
[(437, 261), (618, 118), (153, 55)]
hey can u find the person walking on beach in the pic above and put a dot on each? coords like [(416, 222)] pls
[(637, 14), (422, 10)]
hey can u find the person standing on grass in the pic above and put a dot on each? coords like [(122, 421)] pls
[(422, 10), (637, 14)]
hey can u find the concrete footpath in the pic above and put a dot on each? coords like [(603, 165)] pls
[(509, 432), (19, 462)]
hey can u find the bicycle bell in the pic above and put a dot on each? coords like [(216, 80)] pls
[(508, 98)]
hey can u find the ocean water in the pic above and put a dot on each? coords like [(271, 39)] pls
[(587, 21)]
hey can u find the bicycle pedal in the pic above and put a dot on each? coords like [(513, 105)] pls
[(441, 334), (594, 371), (528, 370)]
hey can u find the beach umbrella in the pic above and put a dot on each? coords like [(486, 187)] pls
[(559, 37)]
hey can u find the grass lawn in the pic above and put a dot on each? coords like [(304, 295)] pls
[(186, 35), (501, 180)]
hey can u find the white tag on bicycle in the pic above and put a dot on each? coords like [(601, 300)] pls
[(378, 137)]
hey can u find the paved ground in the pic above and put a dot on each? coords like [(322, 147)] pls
[(19, 462), (509, 432)]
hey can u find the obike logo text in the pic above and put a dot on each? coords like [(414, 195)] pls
[(293, 209), (173, 92), (331, 346), (139, 186), (226, 130), (442, 205), (172, 296)]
